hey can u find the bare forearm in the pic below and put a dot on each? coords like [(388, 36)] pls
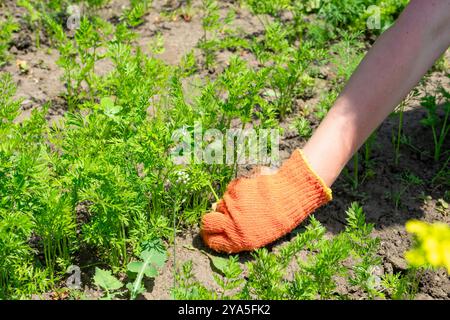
[(392, 67)]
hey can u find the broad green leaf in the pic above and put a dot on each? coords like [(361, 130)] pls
[(151, 272), (219, 263), (270, 93), (109, 108), (105, 280), (156, 257), (113, 111), (135, 266)]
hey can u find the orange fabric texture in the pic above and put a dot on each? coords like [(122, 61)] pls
[(256, 211)]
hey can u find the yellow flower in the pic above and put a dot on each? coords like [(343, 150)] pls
[(415, 226), (432, 246)]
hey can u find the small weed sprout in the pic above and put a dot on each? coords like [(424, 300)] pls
[(439, 128)]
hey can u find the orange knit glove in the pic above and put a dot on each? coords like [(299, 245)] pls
[(257, 211)]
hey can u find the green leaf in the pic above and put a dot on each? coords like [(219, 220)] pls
[(149, 270), (135, 266), (113, 111), (156, 257), (109, 107), (219, 263), (135, 291), (105, 280), (428, 122)]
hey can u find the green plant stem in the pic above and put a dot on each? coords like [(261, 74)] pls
[(444, 167), (214, 193), (174, 267), (355, 170), (443, 134), (124, 245), (37, 35), (399, 133)]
